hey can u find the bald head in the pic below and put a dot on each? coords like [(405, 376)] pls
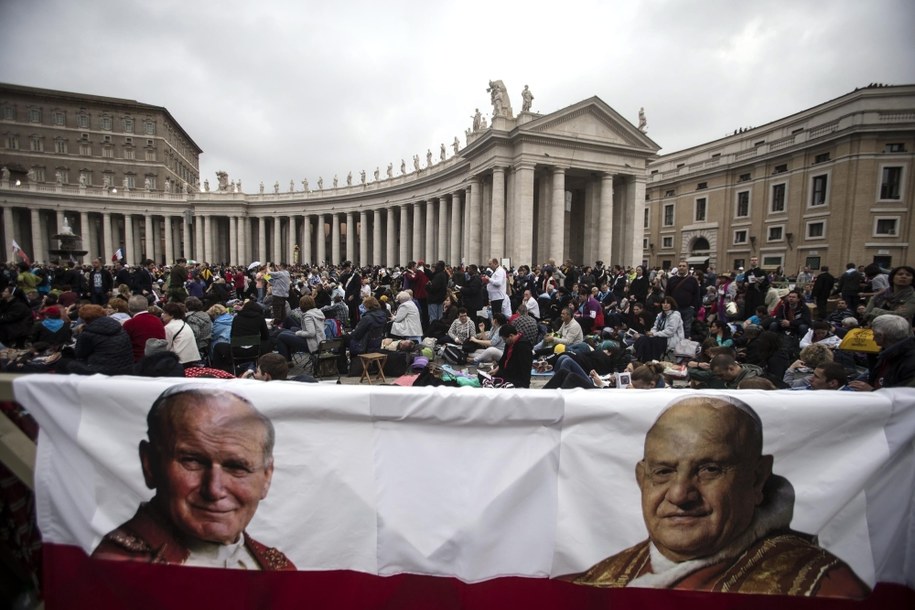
[(734, 418)]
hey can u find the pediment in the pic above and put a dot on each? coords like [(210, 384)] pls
[(591, 120)]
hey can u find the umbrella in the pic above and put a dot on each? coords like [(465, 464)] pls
[(254, 265), (191, 262)]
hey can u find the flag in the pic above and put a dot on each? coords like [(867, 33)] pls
[(21, 253), (118, 255)]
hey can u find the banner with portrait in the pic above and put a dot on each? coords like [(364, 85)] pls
[(403, 495)]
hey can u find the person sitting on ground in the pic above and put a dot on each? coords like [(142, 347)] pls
[(569, 333), (53, 331), (799, 373), (664, 336), (515, 365), (200, 323), (102, 346), (643, 377), (791, 315), (728, 373), (569, 370), (15, 317), (179, 335), (407, 323), (820, 333), (309, 330), (117, 309), (487, 345), (839, 314), (895, 364), (756, 383), (898, 299), (461, 330), (829, 376)]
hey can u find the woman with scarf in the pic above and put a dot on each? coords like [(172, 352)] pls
[(898, 299)]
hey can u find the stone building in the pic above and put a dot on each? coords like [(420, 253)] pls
[(826, 186)]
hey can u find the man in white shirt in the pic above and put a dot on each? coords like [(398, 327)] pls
[(496, 285), (533, 307)]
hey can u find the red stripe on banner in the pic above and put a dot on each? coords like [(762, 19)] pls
[(74, 581)]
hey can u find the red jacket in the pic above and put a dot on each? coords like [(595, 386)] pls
[(141, 327)]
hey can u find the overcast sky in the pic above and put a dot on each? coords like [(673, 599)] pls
[(279, 90)]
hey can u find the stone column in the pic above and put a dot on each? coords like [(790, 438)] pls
[(405, 242), (455, 254), (108, 247), (391, 243), (84, 233), (335, 239), (442, 243), (429, 248), (8, 229), (234, 258), (376, 236), (466, 227), (350, 220), (277, 255), (244, 248), (635, 227), (261, 239), (169, 245), (39, 254), (306, 240), (320, 241), (364, 238), (605, 234), (497, 236), (523, 216), (476, 221), (129, 244), (417, 232), (208, 239), (558, 216), (290, 241), (148, 231)]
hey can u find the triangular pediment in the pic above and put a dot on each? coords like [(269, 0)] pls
[(593, 120)]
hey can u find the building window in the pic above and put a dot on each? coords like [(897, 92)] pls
[(780, 169), (744, 178), (669, 215), (106, 123), (701, 186), (34, 115), (130, 181), (645, 221), (776, 233), (129, 153), (36, 144), (60, 146), (9, 113), (128, 125), (821, 158), (669, 193), (816, 229), (891, 182), (149, 128), (59, 118), (743, 204), (895, 147), (667, 242), (39, 173), (886, 226), (644, 243), (85, 149), (778, 198), (740, 237), (818, 189), (772, 261), (106, 139), (83, 121), (108, 152), (700, 209), (62, 175), (150, 154), (152, 181), (12, 142)]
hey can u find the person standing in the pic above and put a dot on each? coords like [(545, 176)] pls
[(849, 285), (757, 286), (685, 289), (495, 285), (822, 288)]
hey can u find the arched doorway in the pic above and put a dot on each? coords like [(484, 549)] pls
[(699, 252)]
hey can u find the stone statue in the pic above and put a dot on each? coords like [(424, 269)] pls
[(377, 173), (467, 135), (305, 185), (106, 181), (261, 188), (82, 181), (483, 123), (428, 157), (147, 184), (187, 190), (390, 170), (57, 176), (416, 162), (526, 98), (643, 124), (206, 185), (239, 186), (349, 179), (335, 181), (125, 184), (5, 173), (291, 186), (320, 183), (223, 178), (67, 229), (477, 117), (362, 176), (498, 94), (403, 167), (276, 187), (441, 152), (236, 187), (456, 144)]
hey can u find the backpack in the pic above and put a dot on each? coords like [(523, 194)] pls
[(454, 354)]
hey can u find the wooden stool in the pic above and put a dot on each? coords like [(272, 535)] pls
[(367, 360)]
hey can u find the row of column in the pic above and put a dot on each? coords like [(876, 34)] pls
[(494, 215)]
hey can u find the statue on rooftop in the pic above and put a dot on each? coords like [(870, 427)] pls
[(526, 99), (498, 94), (643, 123)]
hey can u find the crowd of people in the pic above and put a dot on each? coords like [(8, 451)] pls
[(582, 325)]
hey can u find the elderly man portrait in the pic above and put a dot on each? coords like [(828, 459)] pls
[(717, 519), (209, 457)]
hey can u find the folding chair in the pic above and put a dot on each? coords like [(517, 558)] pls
[(245, 349), (324, 360)]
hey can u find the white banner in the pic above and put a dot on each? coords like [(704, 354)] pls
[(477, 483)]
